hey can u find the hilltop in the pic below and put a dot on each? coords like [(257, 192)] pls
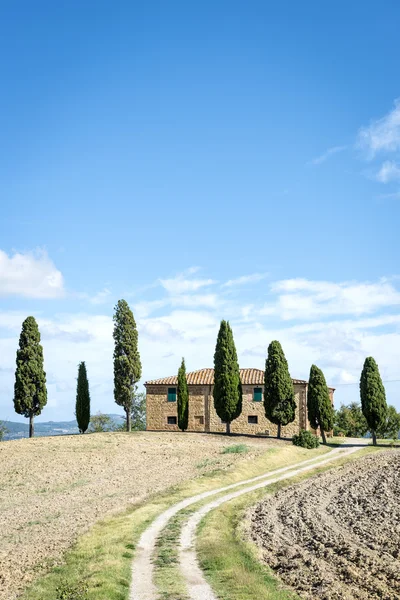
[(55, 488)]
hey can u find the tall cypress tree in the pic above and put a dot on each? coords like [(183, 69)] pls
[(82, 407), (30, 393), (127, 365), (319, 405), (227, 386), (279, 402), (183, 398), (373, 397)]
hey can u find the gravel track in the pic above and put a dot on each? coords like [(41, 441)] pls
[(336, 536), (143, 587)]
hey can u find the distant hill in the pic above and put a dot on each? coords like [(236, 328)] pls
[(21, 430)]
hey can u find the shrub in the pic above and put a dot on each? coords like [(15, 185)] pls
[(65, 591), (236, 449), (306, 439), (100, 423), (349, 421), (3, 430)]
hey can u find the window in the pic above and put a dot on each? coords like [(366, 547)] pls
[(171, 394), (171, 420), (199, 420), (257, 394), (224, 422), (252, 419)]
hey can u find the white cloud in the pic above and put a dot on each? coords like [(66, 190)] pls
[(245, 279), (382, 135), (305, 299), (186, 300), (145, 308), (30, 275), (101, 297), (330, 152), (339, 324), (182, 283), (389, 171)]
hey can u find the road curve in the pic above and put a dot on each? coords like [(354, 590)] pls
[(197, 586), (142, 587)]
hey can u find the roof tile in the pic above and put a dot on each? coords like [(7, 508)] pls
[(206, 377)]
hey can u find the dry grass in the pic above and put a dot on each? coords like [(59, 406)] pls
[(54, 489)]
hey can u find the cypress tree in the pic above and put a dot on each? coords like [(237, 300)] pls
[(279, 402), (127, 365), (30, 393), (319, 405), (183, 398), (227, 386), (373, 397), (82, 407)]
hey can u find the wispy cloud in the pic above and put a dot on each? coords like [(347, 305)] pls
[(245, 279), (389, 171), (382, 135), (391, 196), (323, 157), (183, 283), (304, 299), (101, 297)]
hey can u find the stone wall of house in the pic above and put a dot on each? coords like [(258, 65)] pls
[(203, 417), (197, 408), (158, 409), (251, 408)]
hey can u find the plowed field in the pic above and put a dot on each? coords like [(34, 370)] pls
[(337, 535)]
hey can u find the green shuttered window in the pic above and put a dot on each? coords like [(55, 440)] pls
[(171, 394), (257, 394)]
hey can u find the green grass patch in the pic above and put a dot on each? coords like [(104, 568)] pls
[(391, 443), (230, 563), (235, 449), (208, 462), (168, 577)]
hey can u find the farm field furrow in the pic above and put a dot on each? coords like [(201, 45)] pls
[(336, 536)]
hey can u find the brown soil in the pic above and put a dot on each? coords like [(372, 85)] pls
[(337, 535), (53, 489)]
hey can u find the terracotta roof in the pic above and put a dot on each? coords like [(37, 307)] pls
[(206, 377)]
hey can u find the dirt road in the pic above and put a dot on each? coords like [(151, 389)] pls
[(143, 587), (336, 536)]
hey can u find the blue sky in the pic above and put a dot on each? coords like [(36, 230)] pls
[(235, 160)]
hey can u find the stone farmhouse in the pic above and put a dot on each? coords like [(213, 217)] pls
[(162, 412)]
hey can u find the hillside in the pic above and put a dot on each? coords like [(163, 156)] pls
[(53, 489)]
